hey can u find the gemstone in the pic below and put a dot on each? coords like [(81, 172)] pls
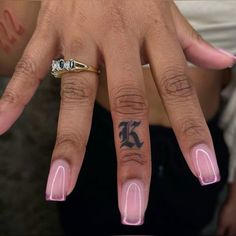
[(61, 64), (72, 64), (67, 65), (54, 65)]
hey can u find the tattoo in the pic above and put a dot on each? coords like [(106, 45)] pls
[(5, 47), (9, 29), (128, 136), (18, 28)]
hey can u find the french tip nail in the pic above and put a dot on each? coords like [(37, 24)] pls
[(58, 181), (132, 203), (125, 221), (209, 180), (58, 199), (205, 164)]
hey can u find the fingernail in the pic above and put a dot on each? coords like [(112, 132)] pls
[(58, 180), (205, 164), (226, 53), (132, 202)]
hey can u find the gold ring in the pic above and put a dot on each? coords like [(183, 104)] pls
[(61, 66)]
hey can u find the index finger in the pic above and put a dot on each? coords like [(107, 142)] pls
[(29, 71)]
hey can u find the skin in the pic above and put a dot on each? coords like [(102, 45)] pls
[(114, 35), (24, 16), (227, 216)]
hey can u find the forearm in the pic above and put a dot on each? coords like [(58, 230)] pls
[(17, 22)]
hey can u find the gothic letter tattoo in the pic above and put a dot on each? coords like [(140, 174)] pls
[(8, 30), (129, 137)]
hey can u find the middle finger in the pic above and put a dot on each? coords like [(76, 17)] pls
[(130, 122)]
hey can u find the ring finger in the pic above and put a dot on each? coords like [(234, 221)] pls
[(78, 91)]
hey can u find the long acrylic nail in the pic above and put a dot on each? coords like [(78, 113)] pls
[(227, 53), (205, 164), (132, 202), (58, 180)]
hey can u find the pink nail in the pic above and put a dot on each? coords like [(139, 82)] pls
[(226, 53), (58, 181), (132, 202), (205, 164)]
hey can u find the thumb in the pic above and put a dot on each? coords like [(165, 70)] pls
[(196, 49)]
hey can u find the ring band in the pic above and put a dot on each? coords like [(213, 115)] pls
[(61, 66)]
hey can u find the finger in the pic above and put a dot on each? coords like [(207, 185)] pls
[(196, 49), (222, 230), (130, 121), (78, 92), (30, 70), (169, 70)]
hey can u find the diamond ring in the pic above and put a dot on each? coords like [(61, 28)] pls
[(61, 66)]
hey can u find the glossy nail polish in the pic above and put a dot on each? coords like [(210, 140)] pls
[(205, 164), (132, 202), (58, 180), (227, 53)]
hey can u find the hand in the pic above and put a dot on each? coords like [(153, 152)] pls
[(123, 35), (227, 220)]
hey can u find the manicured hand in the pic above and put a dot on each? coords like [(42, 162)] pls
[(122, 35)]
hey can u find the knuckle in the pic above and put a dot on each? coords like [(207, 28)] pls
[(25, 67), (175, 84), (77, 91), (70, 139), (132, 158), (192, 128), (73, 46), (10, 97), (117, 21), (48, 13), (129, 101)]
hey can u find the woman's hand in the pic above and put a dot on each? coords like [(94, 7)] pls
[(122, 34), (227, 215), (227, 219)]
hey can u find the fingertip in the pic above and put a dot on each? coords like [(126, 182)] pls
[(8, 117), (207, 56), (205, 164), (228, 55), (58, 181)]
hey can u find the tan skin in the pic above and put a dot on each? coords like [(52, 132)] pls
[(208, 83)]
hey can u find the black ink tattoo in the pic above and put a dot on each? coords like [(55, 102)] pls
[(128, 136)]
